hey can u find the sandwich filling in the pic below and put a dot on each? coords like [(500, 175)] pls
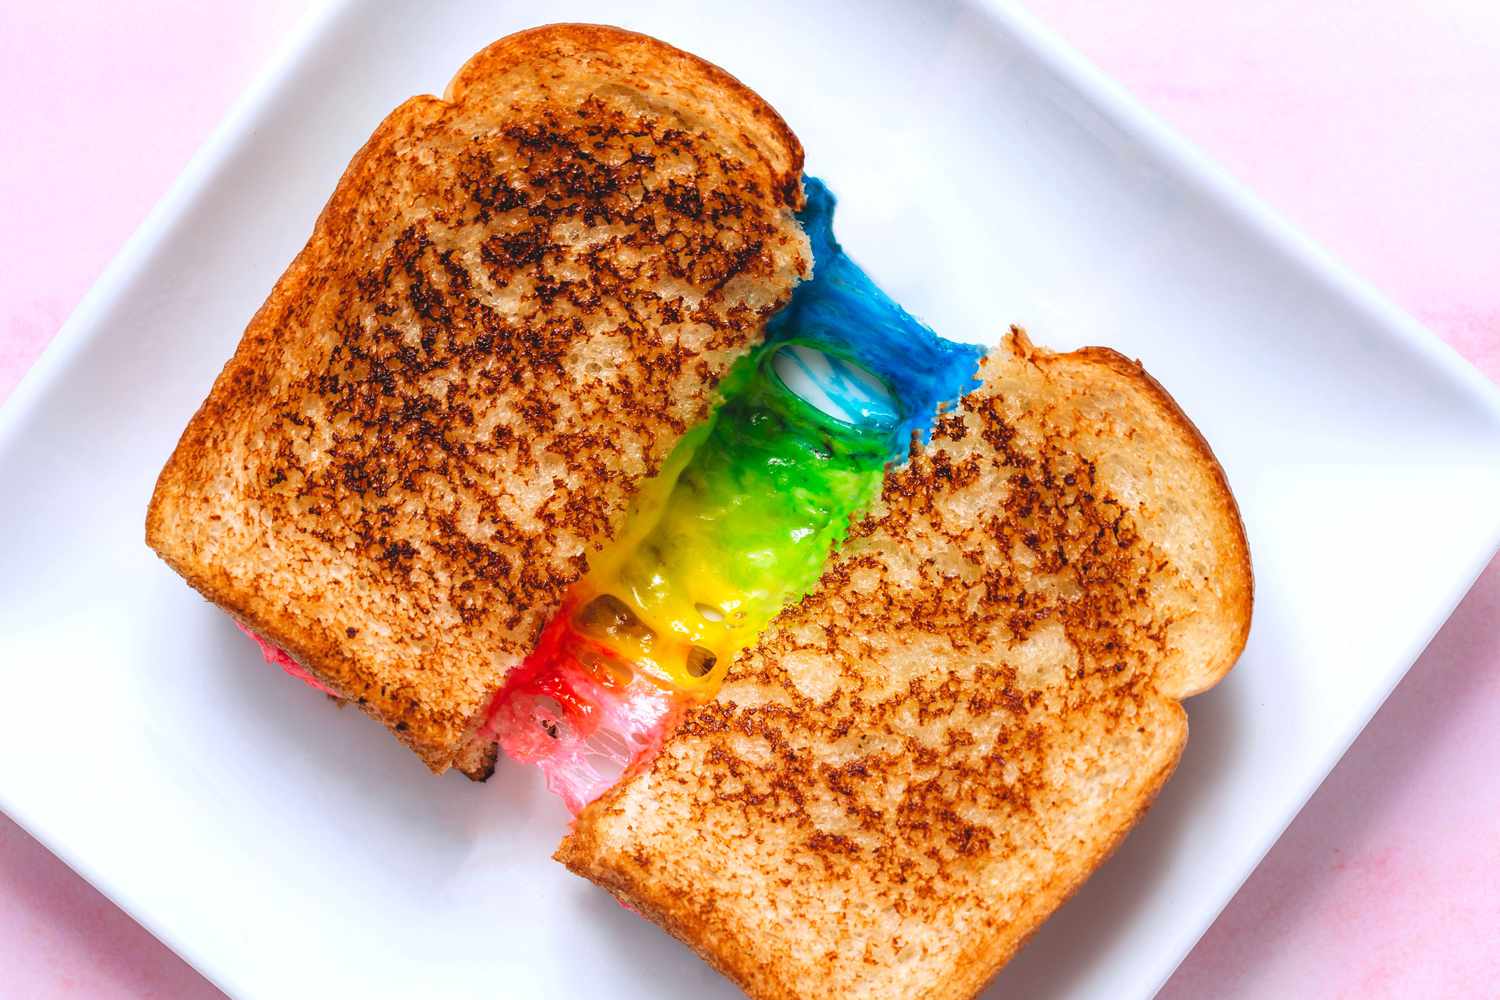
[(278, 657), (736, 527)]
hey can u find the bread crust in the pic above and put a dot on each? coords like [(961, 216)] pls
[(933, 751), (513, 303), (673, 75), (1241, 573)]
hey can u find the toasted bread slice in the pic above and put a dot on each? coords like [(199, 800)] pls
[(515, 301), (926, 757)]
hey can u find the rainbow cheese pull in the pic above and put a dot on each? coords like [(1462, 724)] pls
[(738, 525)]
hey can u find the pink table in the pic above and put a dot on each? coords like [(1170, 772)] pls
[(1374, 124)]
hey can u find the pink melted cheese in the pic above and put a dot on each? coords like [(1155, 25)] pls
[(598, 756), (584, 727), (274, 654)]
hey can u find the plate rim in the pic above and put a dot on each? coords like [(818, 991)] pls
[(1250, 210), (1187, 163)]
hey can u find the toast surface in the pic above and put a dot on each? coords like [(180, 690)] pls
[(516, 300), (931, 752)]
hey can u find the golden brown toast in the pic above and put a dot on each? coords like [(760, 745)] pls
[(515, 301), (926, 757)]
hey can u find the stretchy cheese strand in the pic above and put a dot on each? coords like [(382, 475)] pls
[(738, 525)]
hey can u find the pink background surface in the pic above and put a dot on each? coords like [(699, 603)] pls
[(1373, 124)]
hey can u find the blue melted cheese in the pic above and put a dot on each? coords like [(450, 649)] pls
[(845, 316), (840, 389)]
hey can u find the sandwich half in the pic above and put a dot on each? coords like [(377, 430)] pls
[(517, 299), (928, 755)]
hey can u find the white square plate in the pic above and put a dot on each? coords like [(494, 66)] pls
[(987, 176)]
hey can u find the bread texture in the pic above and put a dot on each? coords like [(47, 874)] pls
[(931, 752), (516, 300)]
